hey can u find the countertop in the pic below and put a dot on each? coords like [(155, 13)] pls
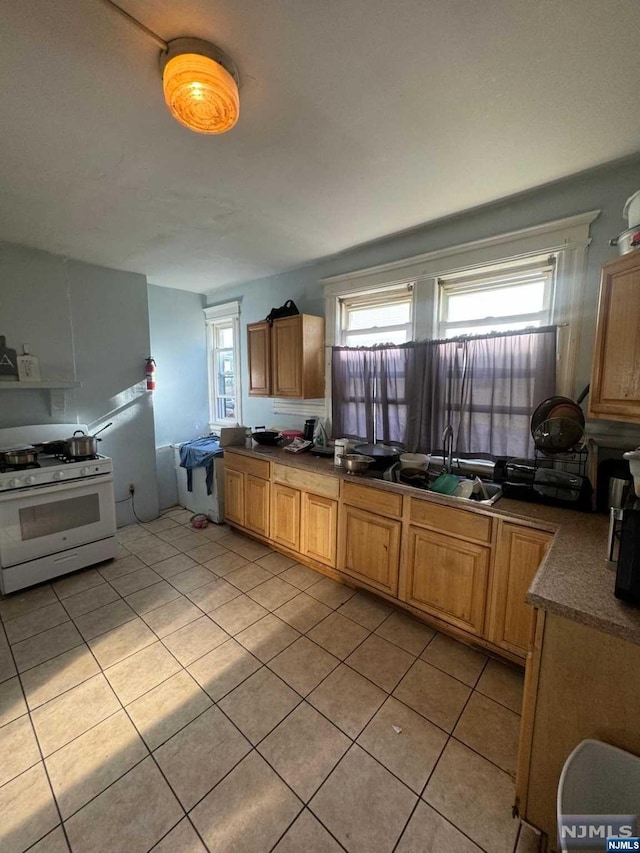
[(574, 580)]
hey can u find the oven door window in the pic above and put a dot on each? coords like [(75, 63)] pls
[(47, 518)]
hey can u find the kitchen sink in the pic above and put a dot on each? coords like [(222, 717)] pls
[(494, 490)]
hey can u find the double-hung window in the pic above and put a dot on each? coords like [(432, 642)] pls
[(385, 317), (223, 355)]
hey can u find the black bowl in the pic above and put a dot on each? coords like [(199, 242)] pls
[(266, 436)]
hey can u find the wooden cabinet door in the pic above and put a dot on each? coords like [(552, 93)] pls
[(256, 504), (286, 357), (615, 377), (319, 524), (519, 552), (285, 516), (234, 496), (448, 578), (370, 548), (259, 358)]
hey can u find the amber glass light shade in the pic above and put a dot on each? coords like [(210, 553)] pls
[(200, 93)]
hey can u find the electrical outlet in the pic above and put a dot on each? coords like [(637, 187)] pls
[(132, 488)]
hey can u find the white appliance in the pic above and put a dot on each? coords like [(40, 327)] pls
[(56, 517), (197, 500)]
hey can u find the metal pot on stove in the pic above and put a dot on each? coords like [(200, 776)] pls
[(81, 445)]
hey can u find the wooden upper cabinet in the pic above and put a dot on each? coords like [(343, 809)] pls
[(297, 357), (615, 376), (370, 548), (519, 552), (259, 357)]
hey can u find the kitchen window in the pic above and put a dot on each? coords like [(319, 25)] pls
[(223, 355), (385, 317)]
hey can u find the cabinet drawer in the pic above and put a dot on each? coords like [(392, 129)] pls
[(317, 484), (247, 464), (376, 500), (469, 525)]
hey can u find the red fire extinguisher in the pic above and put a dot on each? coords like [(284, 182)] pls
[(150, 373)]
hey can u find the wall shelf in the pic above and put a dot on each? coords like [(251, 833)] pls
[(57, 392)]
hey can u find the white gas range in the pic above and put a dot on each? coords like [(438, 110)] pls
[(56, 516)]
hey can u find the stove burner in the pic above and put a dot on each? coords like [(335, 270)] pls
[(6, 467)]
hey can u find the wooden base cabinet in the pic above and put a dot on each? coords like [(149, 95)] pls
[(319, 523), (370, 548), (234, 496), (246, 493), (285, 516), (256, 504), (447, 577)]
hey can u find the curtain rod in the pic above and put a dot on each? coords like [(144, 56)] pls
[(459, 338), (150, 33)]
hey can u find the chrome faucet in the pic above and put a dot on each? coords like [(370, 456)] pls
[(447, 447)]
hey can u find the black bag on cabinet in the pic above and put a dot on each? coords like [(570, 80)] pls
[(289, 309)]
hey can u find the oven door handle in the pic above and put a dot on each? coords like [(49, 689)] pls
[(57, 487)]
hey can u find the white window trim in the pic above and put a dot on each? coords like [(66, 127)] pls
[(214, 315), (404, 292), (567, 238)]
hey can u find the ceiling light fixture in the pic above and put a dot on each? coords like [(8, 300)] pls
[(199, 80)]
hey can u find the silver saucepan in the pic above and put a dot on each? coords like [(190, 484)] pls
[(82, 445)]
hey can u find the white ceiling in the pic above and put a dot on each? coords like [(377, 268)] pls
[(359, 118)]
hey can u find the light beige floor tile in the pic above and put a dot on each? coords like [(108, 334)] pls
[(455, 658), (303, 612), (152, 596), (179, 514), (267, 637), (182, 839), (77, 582), (248, 576), (304, 749), (12, 704), (173, 566), (143, 543), (48, 680), (189, 540), (62, 719), (363, 805), (248, 548), (273, 593), (206, 552), (132, 814), (54, 842), (408, 633), (275, 563), (223, 669), (134, 581), (434, 694), (168, 618), (121, 642), (35, 622), (503, 684), (490, 729), (238, 614), (28, 810), (229, 820), (192, 578), (529, 839), (258, 704), (26, 600), (85, 767), (300, 576), (330, 592), (104, 619), (198, 756), (195, 640), (475, 796), (160, 524), (18, 748), (90, 599), (365, 610), (381, 662), (35, 650), (307, 834), (120, 567), (303, 665), (158, 553), (165, 709), (225, 563), (215, 531), (338, 635), (141, 672), (131, 532), (7, 666), (429, 832), (213, 595), (410, 753), (347, 699)]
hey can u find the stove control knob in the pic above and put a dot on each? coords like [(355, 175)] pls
[(58, 475), (84, 472), (30, 480), (15, 482)]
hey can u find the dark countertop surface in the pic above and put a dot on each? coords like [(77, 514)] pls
[(574, 580)]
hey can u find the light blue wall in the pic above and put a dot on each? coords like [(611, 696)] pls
[(606, 189), (92, 324), (178, 345)]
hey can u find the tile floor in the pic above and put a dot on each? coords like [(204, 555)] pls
[(202, 692)]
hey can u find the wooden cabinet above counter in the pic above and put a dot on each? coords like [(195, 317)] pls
[(286, 359)]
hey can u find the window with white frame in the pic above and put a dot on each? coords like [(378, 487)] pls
[(497, 299), (381, 317), (223, 356)]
